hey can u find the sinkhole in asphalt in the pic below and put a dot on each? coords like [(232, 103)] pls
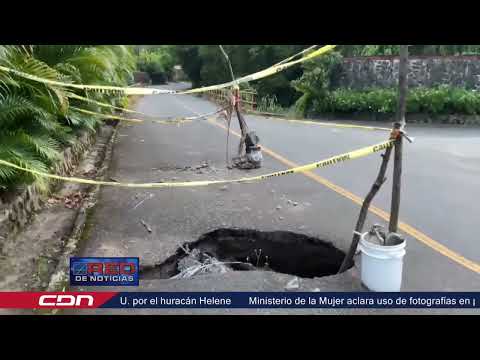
[(225, 249)]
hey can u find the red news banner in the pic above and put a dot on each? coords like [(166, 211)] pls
[(325, 300), (54, 300)]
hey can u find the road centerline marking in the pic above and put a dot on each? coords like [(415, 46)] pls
[(406, 228)]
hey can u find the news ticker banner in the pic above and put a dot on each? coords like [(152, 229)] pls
[(239, 300)]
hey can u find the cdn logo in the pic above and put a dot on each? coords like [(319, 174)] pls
[(65, 300)]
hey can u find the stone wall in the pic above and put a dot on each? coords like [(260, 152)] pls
[(428, 71), (17, 208)]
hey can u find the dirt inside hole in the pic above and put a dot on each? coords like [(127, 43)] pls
[(243, 249)]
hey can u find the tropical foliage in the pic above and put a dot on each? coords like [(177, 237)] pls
[(38, 120), (316, 81), (320, 95), (206, 65), (440, 100), (158, 61)]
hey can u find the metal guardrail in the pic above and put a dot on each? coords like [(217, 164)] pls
[(248, 98)]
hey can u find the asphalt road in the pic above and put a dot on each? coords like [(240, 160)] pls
[(439, 207)]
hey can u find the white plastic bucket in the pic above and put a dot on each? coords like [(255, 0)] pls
[(381, 266)]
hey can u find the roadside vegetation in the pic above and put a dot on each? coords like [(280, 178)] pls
[(38, 121), (157, 61), (308, 89)]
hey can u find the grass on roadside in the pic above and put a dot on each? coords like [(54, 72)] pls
[(269, 104)]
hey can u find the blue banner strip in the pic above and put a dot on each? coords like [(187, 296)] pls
[(293, 300)]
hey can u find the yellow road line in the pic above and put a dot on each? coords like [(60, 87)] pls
[(406, 228)]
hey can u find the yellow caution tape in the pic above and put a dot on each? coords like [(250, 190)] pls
[(133, 120), (99, 103), (179, 120), (103, 88), (106, 116), (264, 73), (297, 54), (150, 91), (341, 125), (328, 124), (165, 121), (320, 164)]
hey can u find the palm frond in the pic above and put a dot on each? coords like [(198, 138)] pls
[(13, 106), (36, 120)]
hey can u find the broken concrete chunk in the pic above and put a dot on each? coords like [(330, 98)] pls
[(293, 284), (198, 263)]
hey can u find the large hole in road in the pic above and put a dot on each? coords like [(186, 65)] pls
[(243, 249)]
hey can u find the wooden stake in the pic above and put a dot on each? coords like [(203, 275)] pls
[(396, 186), (399, 125), (347, 261), (397, 171), (402, 85)]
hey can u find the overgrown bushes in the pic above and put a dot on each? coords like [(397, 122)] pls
[(37, 120), (158, 62), (434, 101), (206, 65), (316, 82), (319, 95)]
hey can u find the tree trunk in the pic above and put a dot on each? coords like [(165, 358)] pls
[(397, 165), (364, 210), (397, 183), (402, 84)]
